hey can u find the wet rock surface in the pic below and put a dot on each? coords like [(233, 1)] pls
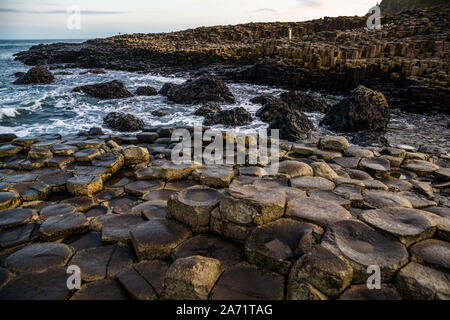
[(154, 229), (36, 75), (107, 90)]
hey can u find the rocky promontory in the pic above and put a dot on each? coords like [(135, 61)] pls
[(407, 60)]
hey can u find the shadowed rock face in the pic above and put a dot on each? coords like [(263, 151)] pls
[(123, 122), (293, 125), (234, 117), (36, 75)]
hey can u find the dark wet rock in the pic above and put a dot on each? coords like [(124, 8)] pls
[(93, 262), (191, 278), (9, 199), (201, 90), (227, 252), (82, 204), (231, 117), (31, 191), (61, 226), (207, 108), (123, 204), (107, 90), (248, 282), (123, 122), (362, 246), (91, 239), (7, 150), (193, 207), (36, 75), (101, 290), (95, 131), (135, 285), (363, 109), (153, 272), (369, 138), (271, 108), (50, 284), (322, 269), (158, 113), (63, 150), (157, 238), (7, 137), (18, 235), (361, 292), (116, 228), (151, 209), (276, 245), (15, 217), (38, 257), (166, 87), (319, 211), (417, 282), (146, 91), (122, 258), (159, 195), (305, 102), (293, 125), (408, 225)]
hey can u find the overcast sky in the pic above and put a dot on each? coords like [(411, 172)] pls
[(47, 19)]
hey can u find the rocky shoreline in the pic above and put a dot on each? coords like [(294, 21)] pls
[(406, 60), (141, 227)]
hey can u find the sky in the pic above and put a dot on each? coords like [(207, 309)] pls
[(49, 19)]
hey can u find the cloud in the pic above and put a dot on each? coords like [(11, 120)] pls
[(267, 10), (8, 10), (311, 3)]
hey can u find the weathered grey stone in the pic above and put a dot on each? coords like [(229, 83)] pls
[(135, 285), (312, 183), (116, 228), (348, 162), (63, 225), (377, 167), (9, 199), (432, 252), (354, 151), (383, 199), (101, 290), (153, 272), (333, 143), (291, 169), (134, 155), (121, 258), (57, 209), (331, 196), (219, 177), (416, 201), (15, 217), (141, 188), (422, 168), (191, 278), (84, 185), (18, 235), (86, 155), (123, 205), (93, 262)]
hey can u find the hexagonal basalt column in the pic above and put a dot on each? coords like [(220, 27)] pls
[(193, 207), (84, 185)]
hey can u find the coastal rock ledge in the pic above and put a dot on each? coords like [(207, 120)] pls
[(142, 227)]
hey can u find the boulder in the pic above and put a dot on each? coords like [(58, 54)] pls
[(36, 75), (123, 122), (305, 102), (271, 108), (166, 87), (293, 125), (107, 90), (146, 91), (207, 108), (201, 90), (232, 117), (363, 109)]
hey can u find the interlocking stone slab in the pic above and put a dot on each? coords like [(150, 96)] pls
[(322, 269), (351, 192), (153, 272), (219, 177), (141, 188), (398, 185), (432, 252), (443, 174), (63, 225), (362, 246), (63, 150), (79, 170), (32, 191), (169, 171), (50, 284), (312, 183), (82, 204), (180, 185), (408, 225), (20, 178), (420, 167), (86, 155), (91, 239), (84, 185), (318, 211), (335, 143), (57, 209), (116, 228), (377, 167), (276, 245), (39, 153), (348, 162), (359, 174), (97, 211), (134, 155), (322, 169), (122, 258), (108, 194), (441, 216), (159, 195), (252, 205), (327, 155), (417, 282), (9, 150), (15, 236), (101, 290), (424, 188), (291, 193), (123, 204), (56, 181), (91, 143), (191, 278), (291, 169), (157, 238), (38, 257), (15, 217), (151, 209), (93, 262), (193, 207), (113, 162), (60, 161), (354, 151), (252, 171), (9, 199), (135, 285), (331, 196), (360, 292), (383, 199), (247, 282), (416, 201)]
